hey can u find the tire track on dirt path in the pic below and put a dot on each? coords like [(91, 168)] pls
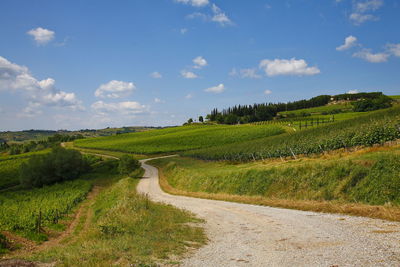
[(251, 235)]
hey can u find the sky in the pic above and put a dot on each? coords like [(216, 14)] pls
[(96, 63)]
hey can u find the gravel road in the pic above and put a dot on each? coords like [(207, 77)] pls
[(251, 235)]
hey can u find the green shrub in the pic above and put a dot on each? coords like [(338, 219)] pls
[(59, 165), (128, 164)]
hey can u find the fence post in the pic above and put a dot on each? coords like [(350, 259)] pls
[(292, 153)]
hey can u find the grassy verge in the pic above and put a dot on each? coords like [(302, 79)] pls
[(127, 229), (365, 183)]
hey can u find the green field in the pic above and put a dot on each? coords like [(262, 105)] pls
[(370, 178), (345, 107), (374, 128), (9, 167), (180, 138), (28, 211)]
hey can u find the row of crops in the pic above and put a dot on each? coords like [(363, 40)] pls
[(181, 138), (31, 210), (374, 128)]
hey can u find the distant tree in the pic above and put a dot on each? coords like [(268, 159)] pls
[(201, 119), (190, 121), (231, 119)]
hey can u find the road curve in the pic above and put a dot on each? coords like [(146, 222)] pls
[(251, 235)]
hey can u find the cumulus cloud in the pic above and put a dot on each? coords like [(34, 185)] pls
[(183, 30), (349, 42), (114, 89), (362, 9), (394, 49), (39, 93), (367, 55), (188, 74), (195, 3), (158, 100), (287, 67), (189, 96), (216, 89), (42, 36), (199, 62), (267, 92), (245, 73), (156, 75), (123, 108)]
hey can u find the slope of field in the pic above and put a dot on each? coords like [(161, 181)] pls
[(371, 176), (373, 128), (345, 107), (181, 138)]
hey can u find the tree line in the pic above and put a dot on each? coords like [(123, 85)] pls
[(267, 111)]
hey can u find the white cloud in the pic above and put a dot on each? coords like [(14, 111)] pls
[(267, 92), (367, 55), (42, 36), (287, 67), (349, 42), (199, 62), (188, 74), (217, 15), (114, 89), (195, 3), (394, 49), (249, 73), (183, 30), (123, 108), (158, 100), (39, 93), (189, 96), (156, 75), (353, 92), (361, 11), (216, 89)]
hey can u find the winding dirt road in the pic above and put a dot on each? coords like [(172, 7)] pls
[(250, 235)]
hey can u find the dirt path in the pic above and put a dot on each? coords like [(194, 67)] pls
[(250, 235)]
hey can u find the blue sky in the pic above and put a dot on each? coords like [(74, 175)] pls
[(93, 64)]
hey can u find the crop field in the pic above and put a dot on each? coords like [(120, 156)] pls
[(9, 168), (28, 211), (181, 138), (369, 177), (374, 128), (319, 110)]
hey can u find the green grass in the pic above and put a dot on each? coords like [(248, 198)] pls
[(128, 229), (180, 138), (372, 178), (373, 128)]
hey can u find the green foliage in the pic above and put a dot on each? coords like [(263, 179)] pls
[(59, 165), (30, 210), (371, 180), (127, 164), (375, 128), (3, 244), (372, 104), (180, 138)]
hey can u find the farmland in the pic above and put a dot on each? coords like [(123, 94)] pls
[(181, 138), (29, 211), (374, 128)]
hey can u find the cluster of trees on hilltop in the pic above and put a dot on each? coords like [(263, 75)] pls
[(267, 111), (263, 112)]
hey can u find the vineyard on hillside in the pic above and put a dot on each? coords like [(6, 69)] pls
[(29, 211), (181, 138), (375, 128)]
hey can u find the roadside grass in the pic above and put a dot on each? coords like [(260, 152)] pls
[(364, 183), (180, 138), (125, 229)]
